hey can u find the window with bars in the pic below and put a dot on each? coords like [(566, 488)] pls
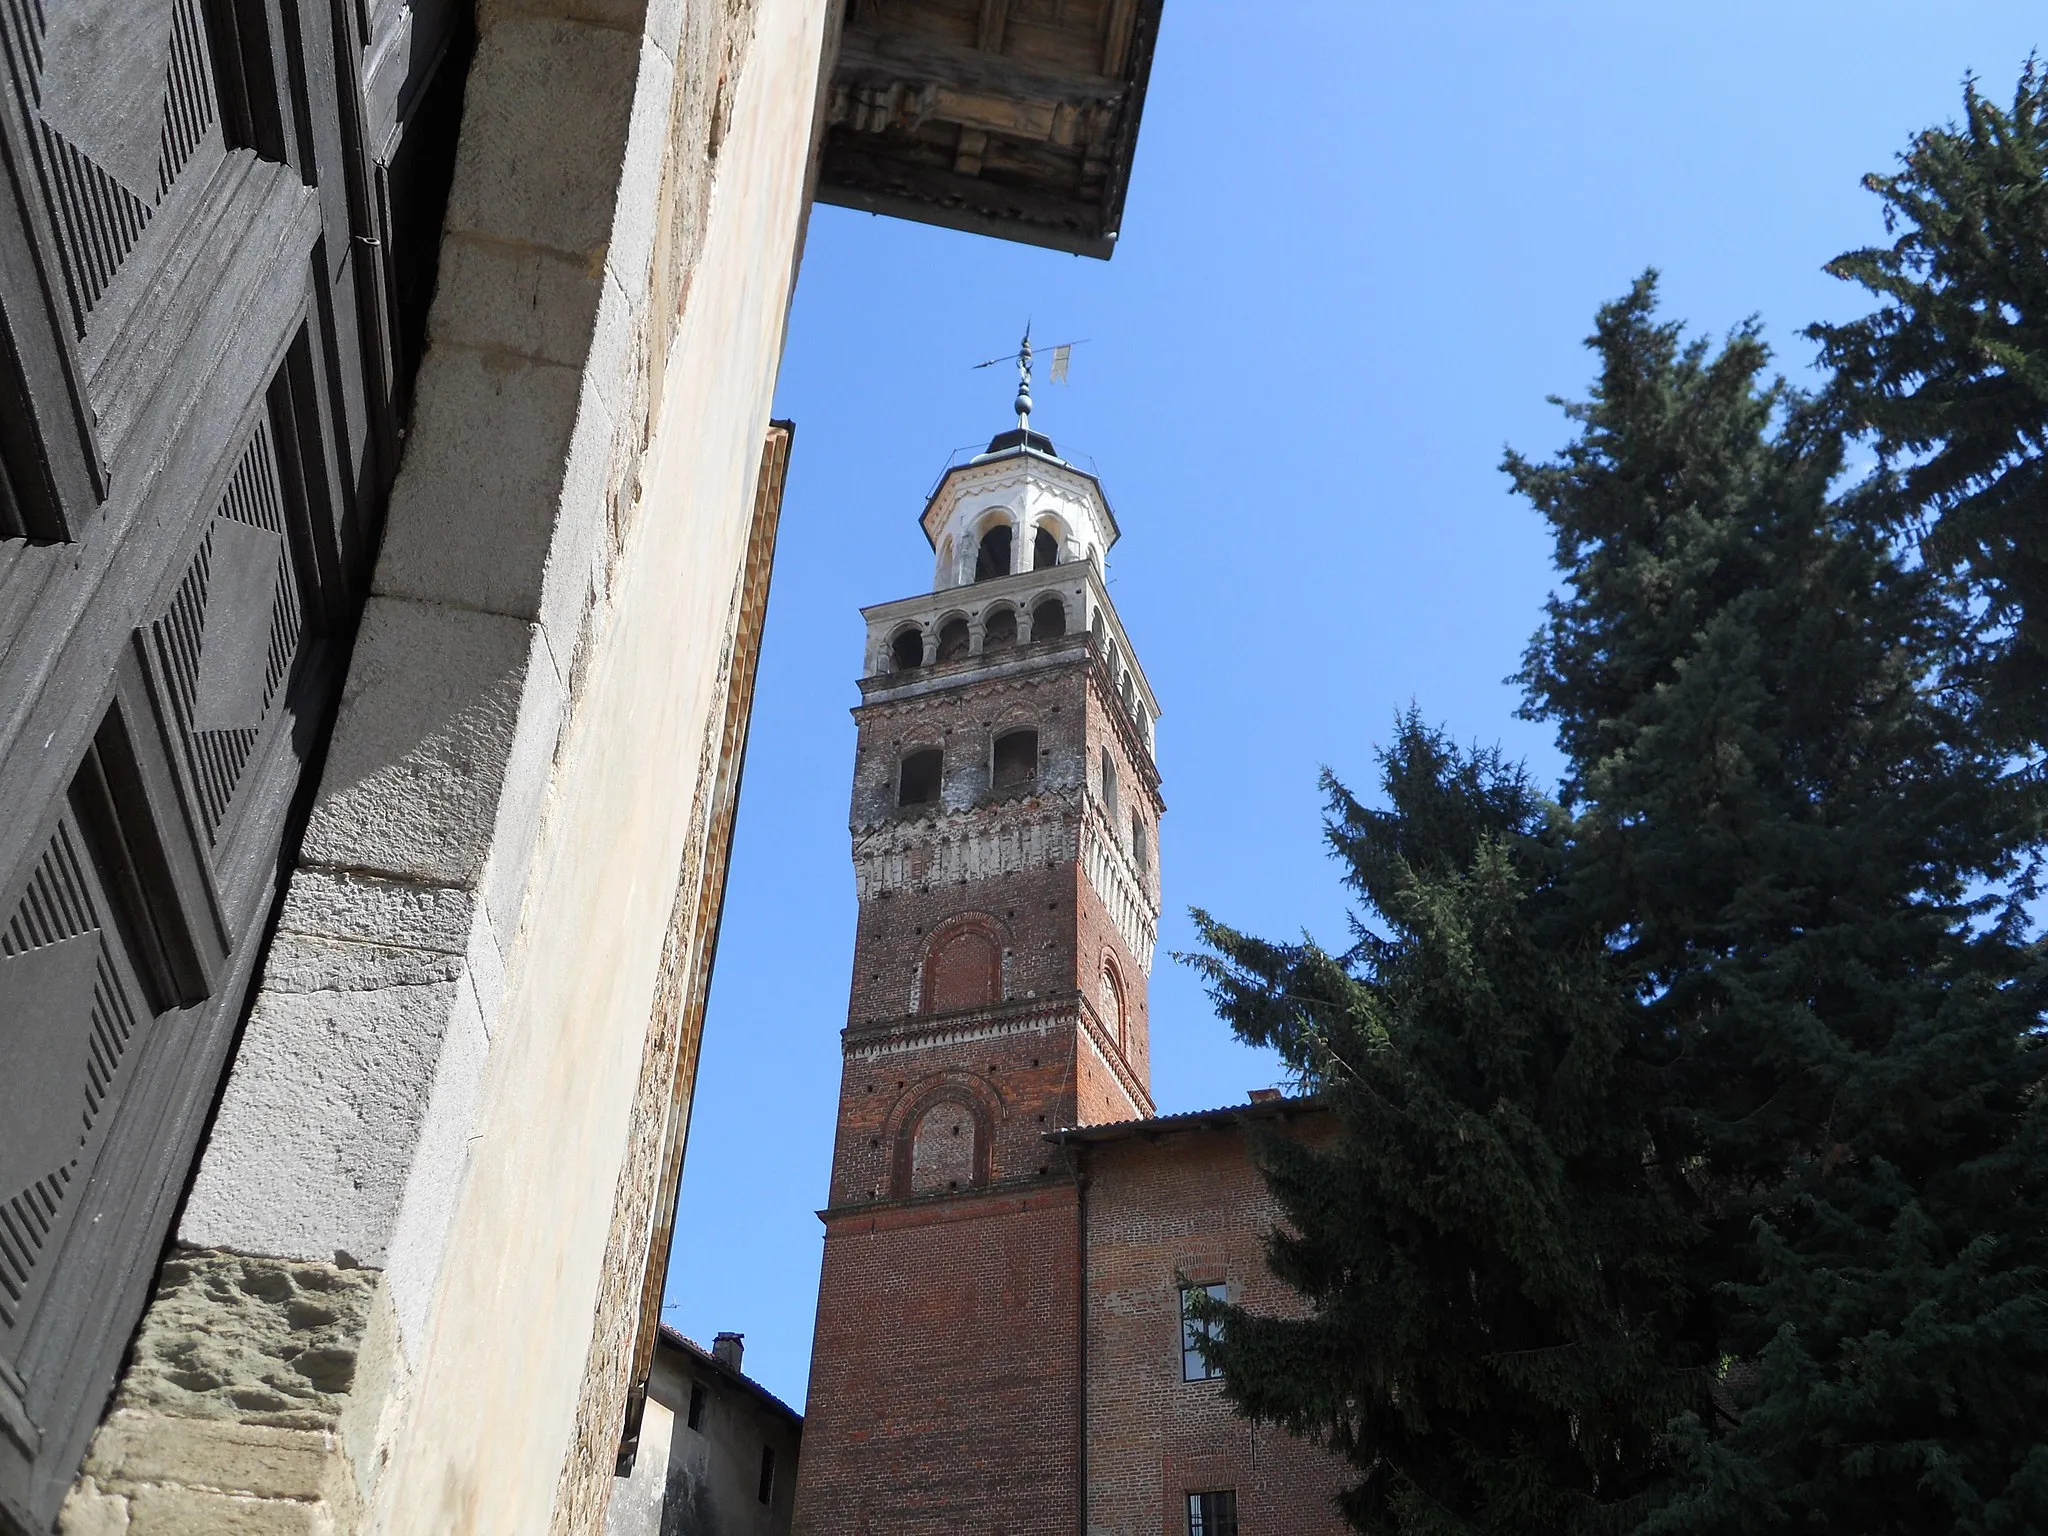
[(1194, 1331), (1213, 1512)]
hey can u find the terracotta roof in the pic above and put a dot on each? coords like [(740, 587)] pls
[(1189, 1120)]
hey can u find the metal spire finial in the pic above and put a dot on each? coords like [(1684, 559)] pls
[(1024, 381), (1022, 358)]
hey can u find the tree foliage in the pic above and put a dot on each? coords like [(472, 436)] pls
[(1950, 371), (1689, 1172), (1807, 858), (1491, 1258)]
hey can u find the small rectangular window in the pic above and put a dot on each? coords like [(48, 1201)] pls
[(696, 1417), (1213, 1513), (1016, 759), (1193, 1330), (917, 781), (768, 1475)]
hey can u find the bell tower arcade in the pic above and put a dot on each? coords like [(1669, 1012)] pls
[(1004, 818)]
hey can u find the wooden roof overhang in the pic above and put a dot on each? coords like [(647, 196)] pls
[(1012, 118)]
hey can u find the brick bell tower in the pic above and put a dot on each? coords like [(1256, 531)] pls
[(1004, 820)]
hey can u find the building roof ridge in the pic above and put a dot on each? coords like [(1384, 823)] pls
[(1283, 1108), (677, 1339)]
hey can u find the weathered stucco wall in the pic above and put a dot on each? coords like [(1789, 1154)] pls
[(432, 1137), (491, 1423)]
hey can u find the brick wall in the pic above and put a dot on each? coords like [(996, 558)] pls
[(1183, 1207), (943, 1377), (1015, 1064)]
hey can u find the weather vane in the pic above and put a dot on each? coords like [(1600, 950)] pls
[(1022, 358)]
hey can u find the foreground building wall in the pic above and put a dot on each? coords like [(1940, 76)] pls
[(718, 1451), (451, 1110), (1172, 1203)]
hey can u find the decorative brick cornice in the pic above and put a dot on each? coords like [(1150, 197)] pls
[(876, 1040), (1115, 881), (999, 1199), (956, 847), (920, 1031)]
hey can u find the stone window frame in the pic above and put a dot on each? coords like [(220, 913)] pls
[(982, 527), (943, 623), (888, 663)]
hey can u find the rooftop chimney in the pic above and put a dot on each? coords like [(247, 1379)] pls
[(725, 1349)]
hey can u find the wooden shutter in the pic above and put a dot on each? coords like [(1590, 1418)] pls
[(206, 331)]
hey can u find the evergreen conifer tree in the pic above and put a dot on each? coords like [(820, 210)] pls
[(1494, 1264), (1801, 848), (1950, 372), (1770, 948)]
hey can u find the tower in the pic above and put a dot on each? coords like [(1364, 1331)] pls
[(1004, 819)]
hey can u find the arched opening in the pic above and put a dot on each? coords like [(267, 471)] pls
[(1110, 798), (999, 630), (942, 1148), (1016, 760), (1049, 620), (917, 781), (906, 651), (953, 639), (1045, 549), (1141, 846), (1110, 995), (993, 558), (948, 573), (965, 971), (1130, 691)]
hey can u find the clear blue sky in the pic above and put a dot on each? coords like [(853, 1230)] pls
[(1363, 242)]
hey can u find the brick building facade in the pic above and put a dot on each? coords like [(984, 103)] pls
[(1009, 1227)]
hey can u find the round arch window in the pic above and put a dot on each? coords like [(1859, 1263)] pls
[(942, 1148), (1111, 992)]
